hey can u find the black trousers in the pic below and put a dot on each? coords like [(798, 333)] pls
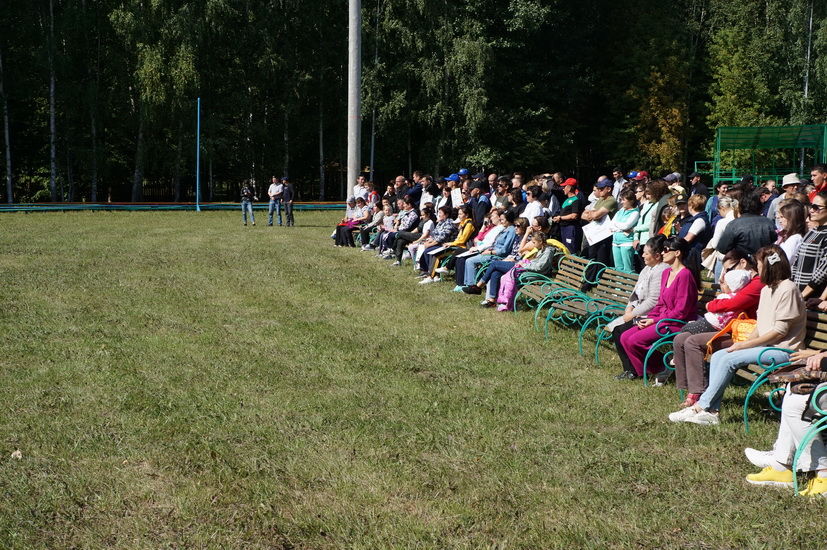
[(403, 239), (624, 357)]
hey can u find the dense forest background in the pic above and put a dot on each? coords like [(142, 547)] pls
[(99, 96)]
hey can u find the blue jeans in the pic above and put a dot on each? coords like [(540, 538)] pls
[(471, 266), (245, 207), (493, 274), (723, 365), (275, 204)]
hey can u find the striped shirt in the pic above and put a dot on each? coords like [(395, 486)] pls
[(810, 267)]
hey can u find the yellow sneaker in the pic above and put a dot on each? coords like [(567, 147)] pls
[(771, 477), (816, 487)]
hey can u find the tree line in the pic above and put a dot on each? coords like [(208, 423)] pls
[(99, 96)]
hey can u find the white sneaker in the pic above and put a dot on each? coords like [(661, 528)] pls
[(682, 415), (441, 270), (427, 281), (396, 264), (762, 459), (704, 418), (406, 255)]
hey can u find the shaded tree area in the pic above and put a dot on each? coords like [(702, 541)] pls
[(98, 96)]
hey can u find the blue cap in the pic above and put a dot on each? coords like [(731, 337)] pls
[(452, 177), (463, 172), (632, 174), (605, 182), (285, 179)]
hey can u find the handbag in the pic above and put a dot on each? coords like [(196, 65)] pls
[(739, 327), (802, 381)]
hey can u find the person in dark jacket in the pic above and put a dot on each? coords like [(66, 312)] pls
[(288, 194), (749, 232), (480, 204)]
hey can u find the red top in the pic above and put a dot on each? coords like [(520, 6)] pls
[(745, 300)]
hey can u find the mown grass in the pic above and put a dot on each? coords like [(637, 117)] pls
[(178, 380)]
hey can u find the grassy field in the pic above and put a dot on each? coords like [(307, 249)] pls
[(176, 380)]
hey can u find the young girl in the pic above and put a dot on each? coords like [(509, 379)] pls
[(622, 227), (541, 262)]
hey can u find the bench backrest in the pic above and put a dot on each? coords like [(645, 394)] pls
[(570, 271), (614, 286)]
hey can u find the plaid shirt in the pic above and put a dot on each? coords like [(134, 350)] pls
[(407, 220), (810, 267), (445, 231)]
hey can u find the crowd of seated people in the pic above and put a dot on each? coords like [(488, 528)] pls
[(763, 247)]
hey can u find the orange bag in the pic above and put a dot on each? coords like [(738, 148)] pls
[(740, 327)]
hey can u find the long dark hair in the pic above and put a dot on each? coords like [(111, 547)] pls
[(690, 261), (793, 212)]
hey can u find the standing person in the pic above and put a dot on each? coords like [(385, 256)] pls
[(750, 231), (248, 195), (789, 184), (604, 208), (361, 188), (712, 259), (793, 222), (569, 217), (721, 189), (622, 225), (619, 183), (696, 186), (287, 196), (818, 176), (275, 193)]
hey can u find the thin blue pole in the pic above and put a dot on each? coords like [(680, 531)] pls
[(198, 161)]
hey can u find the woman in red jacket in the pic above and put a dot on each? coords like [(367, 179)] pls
[(691, 373)]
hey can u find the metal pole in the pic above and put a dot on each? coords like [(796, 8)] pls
[(198, 159), (373, 112), (807, 73), (354, 92)]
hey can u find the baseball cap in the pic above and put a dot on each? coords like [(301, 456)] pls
[(680, 198), (693, 175), (632, 174), (285, 179), (570, 181), (479, 176), (452, 177), (671, 178), (463, 172), (605, 182)]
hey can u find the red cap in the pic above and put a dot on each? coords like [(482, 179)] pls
[(570, 181)]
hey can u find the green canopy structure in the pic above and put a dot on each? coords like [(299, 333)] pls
[(805, 142)]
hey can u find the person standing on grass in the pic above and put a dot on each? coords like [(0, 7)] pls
[(275, 194), (288, 194), (248, 195), (571, 231)]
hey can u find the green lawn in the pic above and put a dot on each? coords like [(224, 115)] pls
[(176, 380)]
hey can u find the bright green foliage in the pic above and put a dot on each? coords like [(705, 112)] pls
[(577, 86)]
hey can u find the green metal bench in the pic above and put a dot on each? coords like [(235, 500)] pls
[(541, 291)]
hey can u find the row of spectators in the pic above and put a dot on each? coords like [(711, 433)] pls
[(768, 254)]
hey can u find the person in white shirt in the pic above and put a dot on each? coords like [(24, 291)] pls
[(361, 189), (533, 207), (619, 183), (275, 192)]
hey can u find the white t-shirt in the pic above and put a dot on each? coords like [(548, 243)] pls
[(275, 189), (790, 246), (532, 210), (697, 226), (360, 191)]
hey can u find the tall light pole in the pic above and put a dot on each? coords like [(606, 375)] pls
[(354, 91)]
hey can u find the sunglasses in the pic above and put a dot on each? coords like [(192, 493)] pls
[(817, 208)]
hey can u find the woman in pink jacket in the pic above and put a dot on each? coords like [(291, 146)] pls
[(678, 300)]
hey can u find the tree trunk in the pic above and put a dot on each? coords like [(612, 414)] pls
[(286, 166), (138, 175), (70, 177), (176, 178), (321, 149), (52, 122), (7, 134), (93, 191)]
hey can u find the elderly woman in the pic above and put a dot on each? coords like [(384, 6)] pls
[(678, 299), (357, 212), (728, 210), (691, 344), (643, 299), (777, 463), (781, 324)]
